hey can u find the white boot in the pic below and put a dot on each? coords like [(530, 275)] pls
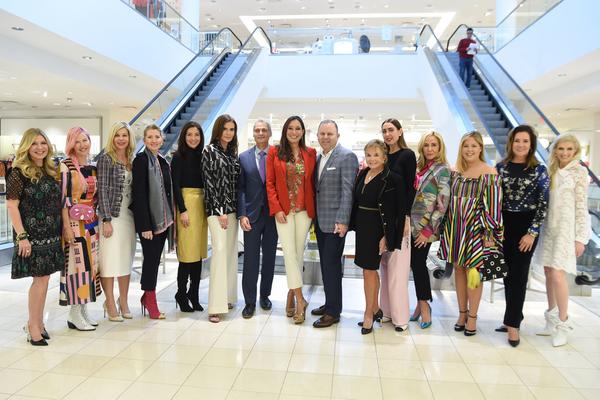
[(87, 317), (559, 336), (77, 321), (552, 320)]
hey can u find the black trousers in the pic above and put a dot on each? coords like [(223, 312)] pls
[(516, 225), (418, 265), (152, 251), (331, 249), (262, 236)]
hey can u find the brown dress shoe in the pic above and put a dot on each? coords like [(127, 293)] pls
[(318, 311), (325, 321)]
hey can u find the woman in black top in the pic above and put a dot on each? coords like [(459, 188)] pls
[(377, 220), (152, 212), (525, 187), (192, 228), (403, 162)]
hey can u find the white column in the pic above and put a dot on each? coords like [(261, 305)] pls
[(190, 10)]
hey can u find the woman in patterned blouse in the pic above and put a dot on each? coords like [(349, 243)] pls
[(432, 185), (473, 223), (290, 190), (221, 169), (525, 185)]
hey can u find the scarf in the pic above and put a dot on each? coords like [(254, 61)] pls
[(421, 173), (160, 213)]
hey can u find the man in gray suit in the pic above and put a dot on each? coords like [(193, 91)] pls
[(334, 183)]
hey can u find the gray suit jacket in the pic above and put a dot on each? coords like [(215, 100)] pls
[(335, 188)]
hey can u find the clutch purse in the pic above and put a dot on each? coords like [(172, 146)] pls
[(494, 266), (82, 212)]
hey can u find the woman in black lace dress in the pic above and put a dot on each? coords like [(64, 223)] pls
[(34, 207)]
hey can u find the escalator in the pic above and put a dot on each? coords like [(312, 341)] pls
[(201, 88), (494, 104)]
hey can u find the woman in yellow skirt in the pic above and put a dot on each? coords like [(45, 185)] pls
[(192, 228)]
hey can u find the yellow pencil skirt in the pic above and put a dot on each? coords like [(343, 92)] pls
[(192, 242)]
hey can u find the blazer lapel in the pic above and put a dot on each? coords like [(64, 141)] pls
[(327, 164)]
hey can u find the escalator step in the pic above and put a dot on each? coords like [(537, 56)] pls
[(496, 124), (483, 104), (478, 97), (186, 116), (492, 116)]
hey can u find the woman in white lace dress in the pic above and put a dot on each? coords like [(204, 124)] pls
[(565, 232)]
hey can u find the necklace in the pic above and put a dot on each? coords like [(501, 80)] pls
[(370, 176)]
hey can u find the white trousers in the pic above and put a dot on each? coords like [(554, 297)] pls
[(222, 286), (292, 235)]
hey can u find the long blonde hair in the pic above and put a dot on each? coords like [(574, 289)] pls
[(441, 157), (554, 163), (110, 145), (24, 162), (461, 164)]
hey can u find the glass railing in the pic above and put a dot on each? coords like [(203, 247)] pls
[(168, 98), (165, 17), (344, 40)]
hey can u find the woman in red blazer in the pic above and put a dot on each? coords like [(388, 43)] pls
[(291, 193)]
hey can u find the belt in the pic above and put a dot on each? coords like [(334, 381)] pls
[(368, 208)]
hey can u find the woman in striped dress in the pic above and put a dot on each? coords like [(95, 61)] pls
[(473, 223)]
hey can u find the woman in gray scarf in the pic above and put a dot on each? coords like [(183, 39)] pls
[(152, 211)]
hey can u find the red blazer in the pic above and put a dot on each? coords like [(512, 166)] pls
[(277, 192)]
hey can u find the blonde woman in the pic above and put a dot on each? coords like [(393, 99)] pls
[(33, 202), (565, 232), (432, 185), (117, 232), (473, 223), (80, 230)]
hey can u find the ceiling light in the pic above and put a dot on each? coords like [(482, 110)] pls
[(12, 77), (69, 99), (86, 58), (386, 6), (133, 76), (561, 75), (56, 104), (209, 18), (17, 28), (262, 9), (303, 8), (45, 94), (87, 103)]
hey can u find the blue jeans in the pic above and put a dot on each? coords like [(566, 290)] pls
[(465, 65)]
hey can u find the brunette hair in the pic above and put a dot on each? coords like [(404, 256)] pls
[(531, 160), (284, 150), (182, 146), (401, 142), (217, 132)]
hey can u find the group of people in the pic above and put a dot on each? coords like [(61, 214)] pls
[(81, 219)]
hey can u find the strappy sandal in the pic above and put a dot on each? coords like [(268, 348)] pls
[(214, 318), (460, 328), (469, 332)]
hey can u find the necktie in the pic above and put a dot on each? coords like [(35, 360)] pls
[(261, 166)]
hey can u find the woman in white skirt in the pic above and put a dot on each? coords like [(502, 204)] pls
[(117, 233), (565, 232)]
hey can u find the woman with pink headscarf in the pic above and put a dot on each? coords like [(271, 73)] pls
[(78, 281)]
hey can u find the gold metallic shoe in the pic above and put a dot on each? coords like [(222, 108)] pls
[(300, 316), (290, 305)]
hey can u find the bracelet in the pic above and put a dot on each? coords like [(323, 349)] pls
[(22, 236)]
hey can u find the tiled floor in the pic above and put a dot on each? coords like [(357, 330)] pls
[(267, 357)]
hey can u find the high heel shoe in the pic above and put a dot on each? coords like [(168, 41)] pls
[(116, 318), (460, 328), (299, 317), (182, 301), (377, 317), (194, 299), (415, 316), (126, 315), (148, 302), (290, 304), (41, 342), (45, 334), (366, 331), (470, 332), (425, 325)]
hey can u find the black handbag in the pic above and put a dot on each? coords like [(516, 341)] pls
[(494, 266)]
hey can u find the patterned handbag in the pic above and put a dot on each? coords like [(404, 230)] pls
[(494, 266)]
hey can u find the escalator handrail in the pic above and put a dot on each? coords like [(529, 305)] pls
[(149, 104), (258, 28), (527, 98), (427, 26)]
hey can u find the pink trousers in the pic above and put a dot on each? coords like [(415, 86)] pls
[(394, 270)]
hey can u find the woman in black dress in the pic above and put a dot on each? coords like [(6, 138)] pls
[(376, 213), (34, 207)]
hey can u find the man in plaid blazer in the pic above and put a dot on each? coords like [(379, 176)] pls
[(334, 182)]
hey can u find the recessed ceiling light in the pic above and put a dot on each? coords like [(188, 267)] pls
[(69, 99), (56, 104), (386, 6), (45, 94), (303, 8), (17, 28), (561, 75), (209, 18), (86, 57), (133, 76), (12, 77), (262, 9)]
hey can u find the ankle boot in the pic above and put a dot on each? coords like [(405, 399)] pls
[(87, 317), (75, 320), (552, 320), (181, 299), (148, 301), (192, 294), (560, 333)]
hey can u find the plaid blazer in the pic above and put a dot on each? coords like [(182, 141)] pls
[(111, 177), (334, 188)]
